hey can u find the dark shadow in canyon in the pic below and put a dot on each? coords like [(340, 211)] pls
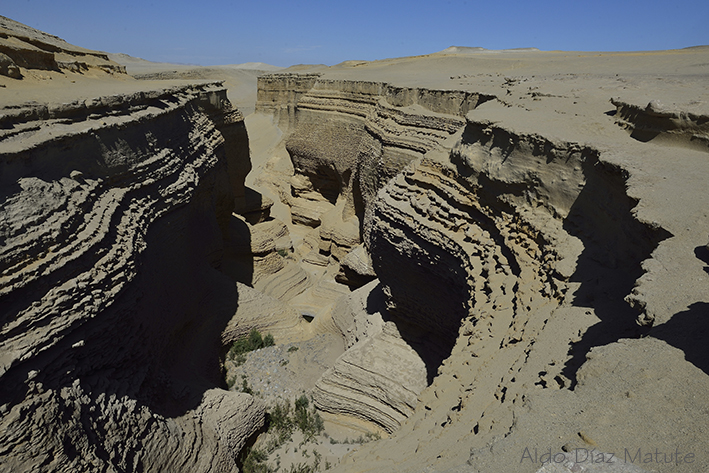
[(153, 354), (427, 296), (702, 252), (689, 331), (430, 347), (157, 346), (238, 261), (615, 244)]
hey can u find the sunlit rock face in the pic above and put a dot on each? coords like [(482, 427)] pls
[(478, 234)]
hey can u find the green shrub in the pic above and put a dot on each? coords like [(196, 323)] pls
[(239, 359), (231, 382), (245, 388), (268, 340), (254, 341), (282, 421), (255, 462), (304, 467), (301, 404), (310, 423)]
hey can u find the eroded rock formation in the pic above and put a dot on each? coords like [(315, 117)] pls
[(493, 257), (114, 216), (28, 48), (506, 246)]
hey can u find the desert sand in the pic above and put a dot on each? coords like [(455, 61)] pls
[(467, 259)]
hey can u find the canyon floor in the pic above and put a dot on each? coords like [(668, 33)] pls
[(467, 259)]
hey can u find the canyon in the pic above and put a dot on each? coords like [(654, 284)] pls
[(466, 256)]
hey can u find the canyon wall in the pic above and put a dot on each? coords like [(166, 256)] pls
[(505, 256), (115, 211), (506, 267), (22, 47), (346, 140)]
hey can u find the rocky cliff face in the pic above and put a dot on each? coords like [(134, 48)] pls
[(28, 48), (505, 257), (114, 213), (346, 140), (503, 221), (493, 262)]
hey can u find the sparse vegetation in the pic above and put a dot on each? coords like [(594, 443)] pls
[(310, 423), (245, 388), (255, 462), (292, 349), (305, 468), (231, 382), (282, 422), (368, 437), (238, 350)]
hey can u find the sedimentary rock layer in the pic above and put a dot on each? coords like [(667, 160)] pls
[(114, 214), (481, 233), (377, 380), (28, 48), (502, 211), (349, 138), (346, 140), (660, 123)]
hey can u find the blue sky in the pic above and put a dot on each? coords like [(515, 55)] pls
[(312, 32)]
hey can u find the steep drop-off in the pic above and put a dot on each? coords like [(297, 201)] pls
[(494, 226), (508, 262), (507, 252), (114, 216)]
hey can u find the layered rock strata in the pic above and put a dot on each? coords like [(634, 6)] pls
[(504, 254), (28, 48), (661, 123), (501, 222), (379, 377), (346, 139), (114, 215)]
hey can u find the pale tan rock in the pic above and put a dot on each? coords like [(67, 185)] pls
[(280, 278), (356, 267), (377, 380), (308, 212), (337, 236), (258, 311), (358, 316), (29, 48), (509, 244), (8, 67), (317, 258), (269, 236), (111, 229), (510, 213)]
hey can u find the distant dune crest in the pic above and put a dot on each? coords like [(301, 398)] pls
[(469, 50)]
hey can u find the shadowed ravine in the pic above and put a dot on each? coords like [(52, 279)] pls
[(457, 257)]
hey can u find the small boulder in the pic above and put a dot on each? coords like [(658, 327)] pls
[(356, 268), (8, 67)]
